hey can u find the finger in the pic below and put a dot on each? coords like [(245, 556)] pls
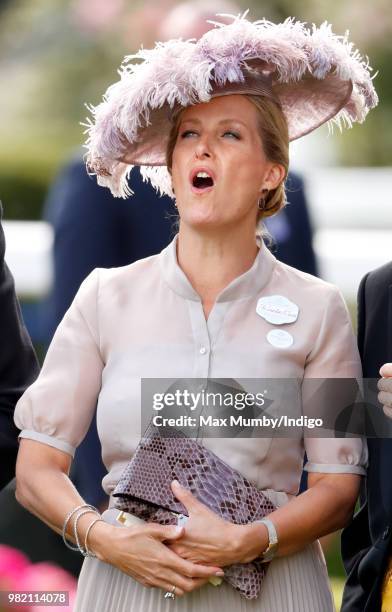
[(387, 411), (385, 384), (184, 496), (166, 586), (165, 579), (385, 399), (165, 532), (183, 583), (193, 570), (386, 370), (176, 562), (191, 584), (168, 578), (198, 582)]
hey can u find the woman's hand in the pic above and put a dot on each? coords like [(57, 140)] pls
[(139, 551), (208, 539)]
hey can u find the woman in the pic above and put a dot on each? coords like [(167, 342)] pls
[(202, 308)]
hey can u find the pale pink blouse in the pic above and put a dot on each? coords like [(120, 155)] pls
[(146, 320)]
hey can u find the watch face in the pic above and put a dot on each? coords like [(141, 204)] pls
[(268, 556), (269, 553)]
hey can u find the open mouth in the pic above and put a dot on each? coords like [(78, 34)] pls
[(202, 180)]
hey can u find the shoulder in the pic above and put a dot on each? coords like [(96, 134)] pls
[(106, 291), (379, 278), (135, 270), (123, 279), (373, 295), (323, 329), (303, 283), (321, 304)]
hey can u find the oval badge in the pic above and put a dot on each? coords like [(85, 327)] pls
[(277, 309), (280, 338)]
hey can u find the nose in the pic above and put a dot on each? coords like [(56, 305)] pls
[(202, 148)]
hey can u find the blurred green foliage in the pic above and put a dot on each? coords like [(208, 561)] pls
[(333, 557), (26, 171)]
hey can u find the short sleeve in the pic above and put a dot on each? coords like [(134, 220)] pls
[(335, 355), (58, 407)]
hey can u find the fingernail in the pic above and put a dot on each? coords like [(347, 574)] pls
[(176, 483), (220, 573)]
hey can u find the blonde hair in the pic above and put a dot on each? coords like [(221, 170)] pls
[(274, 135)]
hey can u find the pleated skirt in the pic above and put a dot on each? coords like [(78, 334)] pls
[(295, 583)]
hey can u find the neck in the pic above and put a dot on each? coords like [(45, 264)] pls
[(212, 261)]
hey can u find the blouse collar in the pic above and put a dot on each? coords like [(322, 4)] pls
[(247, 284)]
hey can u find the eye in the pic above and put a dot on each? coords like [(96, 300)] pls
[(232, 134), (187, 133)]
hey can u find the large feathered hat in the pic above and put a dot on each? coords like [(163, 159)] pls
[(314, 75)]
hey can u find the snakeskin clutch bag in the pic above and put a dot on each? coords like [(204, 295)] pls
[(144, 490)]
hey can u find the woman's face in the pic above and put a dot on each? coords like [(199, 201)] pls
[(219, 167)]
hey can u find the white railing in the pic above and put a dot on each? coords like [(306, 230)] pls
[(29, 256)]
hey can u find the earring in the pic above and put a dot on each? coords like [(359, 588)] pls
[(262, 200), (174, 199)]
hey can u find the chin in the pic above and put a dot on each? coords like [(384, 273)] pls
[(199, 213), (203, 223), (207, 224)]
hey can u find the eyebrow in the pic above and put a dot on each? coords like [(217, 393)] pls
[(222, 121)]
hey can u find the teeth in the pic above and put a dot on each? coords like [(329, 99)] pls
[(202, 175)]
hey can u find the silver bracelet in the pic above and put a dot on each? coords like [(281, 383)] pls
[(88, 553), (80, 514), (68, 518)]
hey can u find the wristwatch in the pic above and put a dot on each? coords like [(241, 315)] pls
[(272, 547)]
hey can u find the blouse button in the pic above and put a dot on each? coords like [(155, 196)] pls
[(203, 350)]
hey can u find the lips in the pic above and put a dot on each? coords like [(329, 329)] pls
[(202, 180)]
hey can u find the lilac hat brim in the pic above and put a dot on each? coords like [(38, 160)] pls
[(316, 77)]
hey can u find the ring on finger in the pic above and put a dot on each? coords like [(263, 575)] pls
[(170, 594)]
